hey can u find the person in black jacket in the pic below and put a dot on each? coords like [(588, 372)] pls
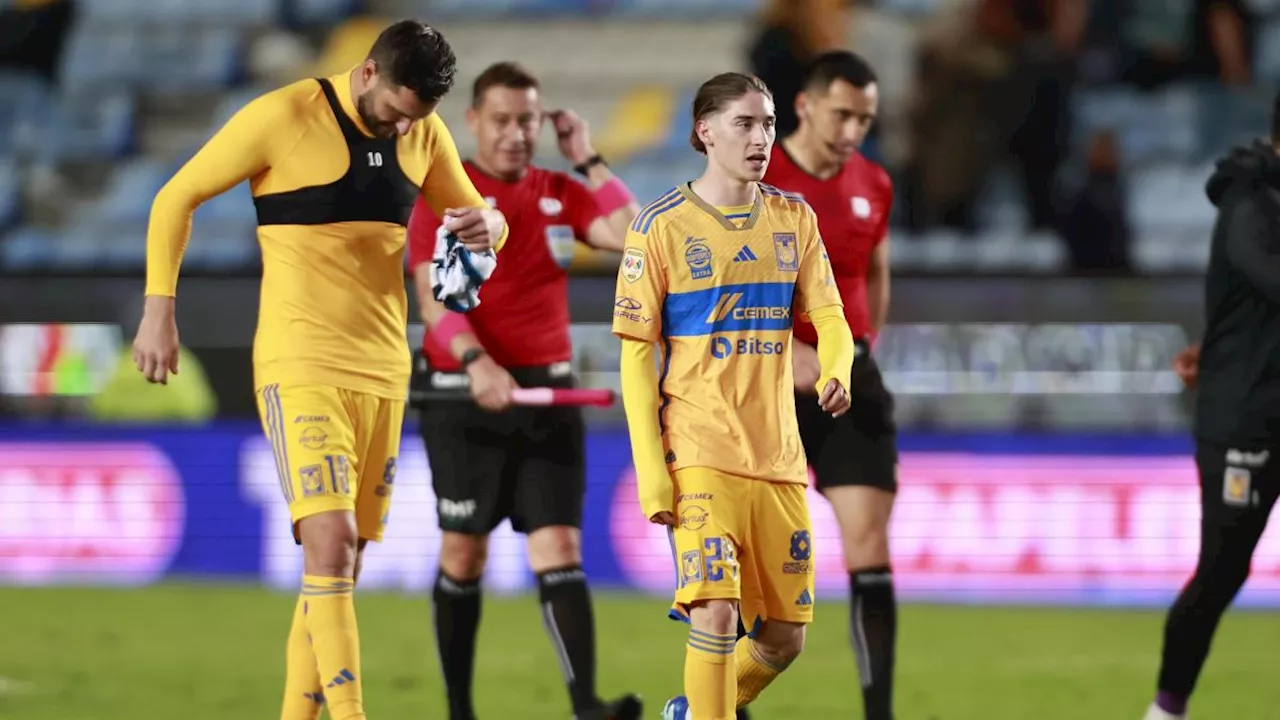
[(1237, 415)]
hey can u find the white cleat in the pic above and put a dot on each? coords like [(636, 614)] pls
[(1155, 712)]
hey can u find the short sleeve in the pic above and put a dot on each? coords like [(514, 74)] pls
[(816, 284), (423, 226), (883, 229), (581, 208), (641, 288)]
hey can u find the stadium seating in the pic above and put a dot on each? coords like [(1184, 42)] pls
[(124, 54), (161, 59), (179, 12)]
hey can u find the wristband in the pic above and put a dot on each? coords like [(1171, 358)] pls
[(590, 162), (450, 326), (613, 196)]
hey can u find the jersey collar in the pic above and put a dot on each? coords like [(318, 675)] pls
[(688, 193)]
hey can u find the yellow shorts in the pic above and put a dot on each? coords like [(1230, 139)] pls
[(746, 540), (335, 450)]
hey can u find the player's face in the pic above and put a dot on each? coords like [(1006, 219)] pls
[(739, 138), (839, 118), (387, 109), (506, 123)]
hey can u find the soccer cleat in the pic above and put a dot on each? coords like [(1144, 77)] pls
[(677, 708), (627, 707), (1155, 712)]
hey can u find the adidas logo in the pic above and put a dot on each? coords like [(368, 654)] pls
[(341, 678), (744, 255), (805, 598)]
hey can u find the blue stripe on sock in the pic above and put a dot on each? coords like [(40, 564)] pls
[(713, 650)]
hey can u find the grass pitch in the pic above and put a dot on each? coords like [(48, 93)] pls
[(193, 651)]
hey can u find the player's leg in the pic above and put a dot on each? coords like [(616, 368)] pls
[(712, 511), (467, 458), (777, 593), (550, 483), (855, 460), (1236, 498), (313, 440)]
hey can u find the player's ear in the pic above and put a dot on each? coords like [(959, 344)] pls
[(473, 119), (802, 104), (369, 70), (703, 129)]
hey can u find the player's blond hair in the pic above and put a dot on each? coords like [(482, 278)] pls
[(717, 92)]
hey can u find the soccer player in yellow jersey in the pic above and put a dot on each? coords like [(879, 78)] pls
[(335, 166), (710, 272)]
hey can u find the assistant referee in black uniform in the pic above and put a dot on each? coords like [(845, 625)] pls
[(1237, 414)]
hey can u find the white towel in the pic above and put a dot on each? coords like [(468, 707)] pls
[(457, 273)]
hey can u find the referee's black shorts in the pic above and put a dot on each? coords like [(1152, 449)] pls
[(526, 464), (861, 446)]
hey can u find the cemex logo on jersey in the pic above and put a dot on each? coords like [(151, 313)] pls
[(629, 309), (728, 307)]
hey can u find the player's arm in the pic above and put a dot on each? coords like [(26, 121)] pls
[(878, 286), (614, 205), (491, 384), (240, 150), (452, 196), (820, 24), (819, 299), (640, 292), (1252, 248)]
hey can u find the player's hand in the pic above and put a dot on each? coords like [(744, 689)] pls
[(491, 384), (664, 518), (477, 228), (805, 366), (155, 348), (834, 398), (1187, 364), (572, 135)]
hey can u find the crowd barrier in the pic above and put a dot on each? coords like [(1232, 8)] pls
[(1070, 520)]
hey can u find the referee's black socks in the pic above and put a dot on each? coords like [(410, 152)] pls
[(873, 629), (457, 618), (566, 613)]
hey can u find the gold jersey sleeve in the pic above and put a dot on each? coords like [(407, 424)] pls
[(333, 307)]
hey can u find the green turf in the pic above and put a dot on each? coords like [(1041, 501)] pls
[(187, 652)]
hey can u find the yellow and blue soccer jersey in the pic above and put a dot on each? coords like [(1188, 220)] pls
[(716, 293)]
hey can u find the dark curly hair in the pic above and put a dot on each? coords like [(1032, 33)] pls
[(415, 55)]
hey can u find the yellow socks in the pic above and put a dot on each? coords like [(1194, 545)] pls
[(303, 694), (754, 672), (710, 683), (331, 621)]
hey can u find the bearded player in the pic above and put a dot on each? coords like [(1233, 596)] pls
[(491, 461), (335, 165), (711, 274), (854, 456)]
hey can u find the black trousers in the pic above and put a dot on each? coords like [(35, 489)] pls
[(1239, 485)]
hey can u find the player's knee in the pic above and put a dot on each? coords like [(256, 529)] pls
[(329, 544), (1224, 574), (719, 617), (463, 557), (555, 547), (780, 643), (866, 547), (360, 545)]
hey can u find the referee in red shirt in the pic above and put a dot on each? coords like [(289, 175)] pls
[(490, 461), (854, 456)]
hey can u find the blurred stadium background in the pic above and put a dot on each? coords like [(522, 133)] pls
[(1049, 233)]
